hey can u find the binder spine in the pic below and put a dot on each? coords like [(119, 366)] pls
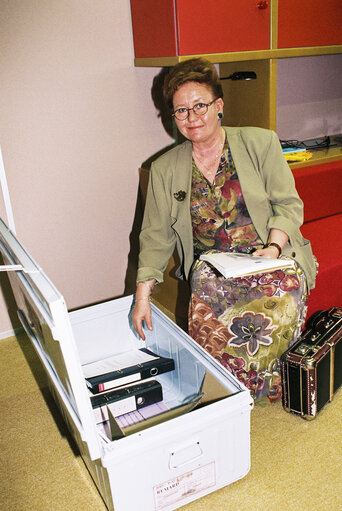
[(103, 383), (152, 369), (127, 399)]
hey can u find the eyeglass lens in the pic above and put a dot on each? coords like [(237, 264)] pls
[(199, 109)]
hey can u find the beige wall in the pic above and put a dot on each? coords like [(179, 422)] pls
[(309, 97), (77, 120)]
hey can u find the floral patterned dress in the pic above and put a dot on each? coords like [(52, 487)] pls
[(246, 323)]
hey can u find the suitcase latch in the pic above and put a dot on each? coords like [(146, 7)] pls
[(302, 349)]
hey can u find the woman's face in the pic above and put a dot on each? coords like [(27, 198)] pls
[(197, 128)]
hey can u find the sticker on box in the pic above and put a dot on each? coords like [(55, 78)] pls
[(179, 488)]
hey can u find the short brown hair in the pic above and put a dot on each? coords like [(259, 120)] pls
[(192, 70)]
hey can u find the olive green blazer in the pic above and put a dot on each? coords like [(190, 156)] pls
[(268, 188)]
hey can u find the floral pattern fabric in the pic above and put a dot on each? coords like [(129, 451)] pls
[(245, 323), (220, 219)]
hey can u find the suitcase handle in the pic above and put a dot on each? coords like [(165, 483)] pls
[(315, 318)]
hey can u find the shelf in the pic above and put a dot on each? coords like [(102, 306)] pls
[(325, 155), (240, 95), (239, 56)]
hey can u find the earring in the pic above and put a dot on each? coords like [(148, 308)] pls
[(220, 115)]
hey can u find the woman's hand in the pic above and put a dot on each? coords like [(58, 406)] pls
[(276, 242), (142, 307), (271, 252), (142, 312)]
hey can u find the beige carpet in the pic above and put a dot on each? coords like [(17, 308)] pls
[(295, 464)]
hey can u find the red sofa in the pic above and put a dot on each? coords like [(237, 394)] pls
[(320, 188)]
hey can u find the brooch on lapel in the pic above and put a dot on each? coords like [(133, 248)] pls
[(180, 196)]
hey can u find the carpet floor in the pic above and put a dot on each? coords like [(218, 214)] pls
[(295, 464)]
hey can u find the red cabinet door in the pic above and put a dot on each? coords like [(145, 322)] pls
[(164, 28), (218, 26), (154, 29), (309, 23)]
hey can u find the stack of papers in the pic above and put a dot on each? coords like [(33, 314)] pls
[(296, 154), (240, 265)]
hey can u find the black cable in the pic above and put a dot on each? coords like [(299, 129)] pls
[(319, 144)]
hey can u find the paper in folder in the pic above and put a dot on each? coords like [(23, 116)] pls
[(231, 264), (126, 399), (125, 368)]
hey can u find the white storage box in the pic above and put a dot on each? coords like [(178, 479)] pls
[(162, 467)]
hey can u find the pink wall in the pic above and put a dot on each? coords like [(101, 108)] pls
[(77, 120), (309, 97)]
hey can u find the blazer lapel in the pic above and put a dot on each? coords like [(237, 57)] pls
[(252, 187), (180, 209), (181, 183)]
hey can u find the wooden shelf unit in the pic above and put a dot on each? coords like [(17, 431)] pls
[(240, 56), (320, 156), (252, 103)]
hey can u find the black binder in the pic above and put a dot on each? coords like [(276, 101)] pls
[(131, 374), (126, 399)]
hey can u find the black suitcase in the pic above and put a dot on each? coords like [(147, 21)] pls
[(312, 366)]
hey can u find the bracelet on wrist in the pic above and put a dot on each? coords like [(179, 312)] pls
[(273, 244), (148, 298)]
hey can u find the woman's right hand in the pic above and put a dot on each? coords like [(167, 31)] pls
[(142, 307), (142, 312)]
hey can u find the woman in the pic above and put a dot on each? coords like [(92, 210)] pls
[(227, 189)]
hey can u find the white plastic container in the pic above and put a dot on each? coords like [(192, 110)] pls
[(162, 467)]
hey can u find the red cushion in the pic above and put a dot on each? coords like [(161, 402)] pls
[(319, 187), (326, 240)]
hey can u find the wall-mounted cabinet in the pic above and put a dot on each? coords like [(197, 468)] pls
[(309, 23), (166, 32), (238, 35), (186, 27)]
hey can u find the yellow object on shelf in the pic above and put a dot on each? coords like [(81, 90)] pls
[(298, 156)]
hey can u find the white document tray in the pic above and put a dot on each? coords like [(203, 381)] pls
[(169, 464)]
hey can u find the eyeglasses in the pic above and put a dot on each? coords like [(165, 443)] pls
[(199, 109)]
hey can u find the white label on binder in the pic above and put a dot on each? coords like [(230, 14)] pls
[(123, 406), (188, 484), (120, 382), (117, 408)]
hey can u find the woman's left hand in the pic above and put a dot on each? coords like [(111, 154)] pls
[(277, 240), (271, 252)]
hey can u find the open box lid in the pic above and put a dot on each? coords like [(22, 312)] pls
[(43, 313)]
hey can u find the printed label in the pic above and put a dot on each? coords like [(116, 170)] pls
[(179, 488), (123, 406), (119, 382)]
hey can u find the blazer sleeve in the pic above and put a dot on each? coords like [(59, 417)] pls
[(287, 207), (157, 238)]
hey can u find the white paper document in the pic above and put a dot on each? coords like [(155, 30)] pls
[(116, 362), (240, 265)]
